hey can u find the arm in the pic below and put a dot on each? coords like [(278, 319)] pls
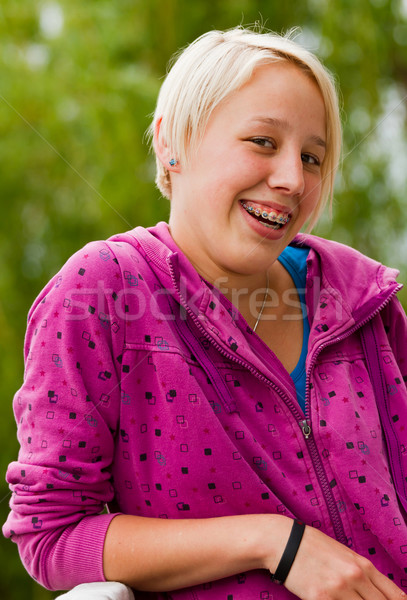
[(161, 555), (66, 413)]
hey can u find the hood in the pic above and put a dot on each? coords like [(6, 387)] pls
[(344, 289), (361, 282)]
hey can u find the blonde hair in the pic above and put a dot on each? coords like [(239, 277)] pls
[(218, 63)]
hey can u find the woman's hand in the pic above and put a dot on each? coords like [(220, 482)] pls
[(166, 554), (325, 569)]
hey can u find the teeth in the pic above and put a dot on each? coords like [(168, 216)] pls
[(270, 225), (276, 218)]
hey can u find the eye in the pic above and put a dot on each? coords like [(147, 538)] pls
[(263, 142), (310, 159)]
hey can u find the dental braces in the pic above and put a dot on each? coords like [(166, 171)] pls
[(272, 216)]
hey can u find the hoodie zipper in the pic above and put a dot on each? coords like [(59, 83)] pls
[(304, 424)]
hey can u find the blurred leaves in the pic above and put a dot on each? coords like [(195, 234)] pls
[(78, 83)]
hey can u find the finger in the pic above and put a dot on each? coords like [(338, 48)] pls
[(362, 581), (373, 585), (387, 587)]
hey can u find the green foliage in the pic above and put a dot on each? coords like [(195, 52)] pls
[(74, 165)]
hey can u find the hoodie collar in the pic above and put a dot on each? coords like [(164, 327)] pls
[(213, 314), (344, 290), (360, 283)]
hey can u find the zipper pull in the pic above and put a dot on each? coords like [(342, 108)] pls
[(306, 428)]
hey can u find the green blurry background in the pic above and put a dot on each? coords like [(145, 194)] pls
[(78, 81)]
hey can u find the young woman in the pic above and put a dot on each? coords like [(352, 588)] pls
[(206, 378)]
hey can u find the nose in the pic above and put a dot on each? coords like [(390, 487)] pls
[(287, 173)]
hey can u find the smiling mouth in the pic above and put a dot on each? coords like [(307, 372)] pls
[(270, 219)]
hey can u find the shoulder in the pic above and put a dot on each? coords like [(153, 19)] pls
[(325, 246), (345, 262), (94, 261), (95, 268), (85, 267), (101, 259)]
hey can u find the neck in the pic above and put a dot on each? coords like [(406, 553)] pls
[(264, 298), (246, 291)]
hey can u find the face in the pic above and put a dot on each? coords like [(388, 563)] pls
[(255, 178)]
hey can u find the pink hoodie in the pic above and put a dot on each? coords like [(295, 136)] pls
[(115, 409)]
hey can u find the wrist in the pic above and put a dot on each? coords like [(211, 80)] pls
[(290, 552), (274, 534)]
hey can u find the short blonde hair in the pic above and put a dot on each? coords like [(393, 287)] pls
[(218, 63)]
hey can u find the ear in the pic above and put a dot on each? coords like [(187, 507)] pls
[(168, 160)]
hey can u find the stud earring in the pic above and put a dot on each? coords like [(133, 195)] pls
[(173, 162)]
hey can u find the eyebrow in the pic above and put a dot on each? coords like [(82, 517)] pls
[(283, 124)]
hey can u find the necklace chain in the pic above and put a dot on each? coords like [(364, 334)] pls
[(264, 303)]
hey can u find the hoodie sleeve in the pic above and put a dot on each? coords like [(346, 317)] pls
[(67, 415)]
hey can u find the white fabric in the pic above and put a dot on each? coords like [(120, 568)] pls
[(101, 590)]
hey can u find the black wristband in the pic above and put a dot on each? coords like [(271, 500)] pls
[(290, 552)]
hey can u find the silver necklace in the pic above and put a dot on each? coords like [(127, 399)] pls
[(264, 303)]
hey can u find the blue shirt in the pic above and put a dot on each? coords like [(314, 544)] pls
[(295, 261)]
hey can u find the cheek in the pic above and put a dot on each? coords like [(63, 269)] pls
[(313, 187), (245, 173), (229, 177), (311, 197)]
